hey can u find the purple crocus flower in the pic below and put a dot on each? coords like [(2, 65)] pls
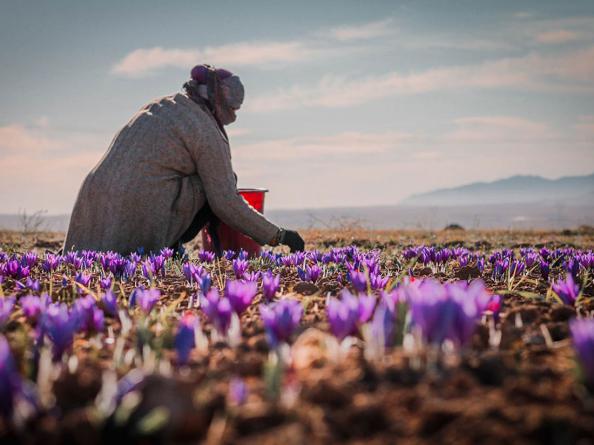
[(206, 256), (60, 327), (309, 273), (240, 267), (146, 299), (366, 305), (158, 262), (10, 380), (545, 269), (582, 333), (444, 312), (218, 310), (109, 303), (129, 269), (148, 269), (29, 259), (358, 279), (33, 306), (6, 305), (51, 262), (494, 306), (184, 340), (240, 294), (238, 391), (105, 283), (280, 320), (567, 290), (83, 279), (190, 272), (166, 253), (383, 323), (90, 317), (376, 281), (343, 316), (252, 276), (30, 284), (205, 282), (270, 285)]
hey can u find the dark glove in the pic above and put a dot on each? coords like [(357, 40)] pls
[(292, 239)]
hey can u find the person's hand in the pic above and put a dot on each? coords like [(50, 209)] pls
[(292, 239)]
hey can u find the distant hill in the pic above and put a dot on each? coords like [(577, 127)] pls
[(571, 190)]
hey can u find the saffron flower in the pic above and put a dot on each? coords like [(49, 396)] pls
[(10, 380), (567, 290), (309, 273), (545, 269), (582, 333), (238, 391), (30, 284), (90, 317), (60, 327), (376, 281), (148, 269), (6, 305), (270, 285), (240, 267), (383, 324), (109, 303), (218, 310), (444, 312), (345, 314), (166, 253), (33, 306), (184, 340), (358, 279), (240, 294), (206, 256), (146, 299), (280, 320), (105, 283), (252, 276), (205, 282)]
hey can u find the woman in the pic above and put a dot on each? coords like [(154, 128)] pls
[(168, 173)]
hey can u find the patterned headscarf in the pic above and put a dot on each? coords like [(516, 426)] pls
[(222, 91)]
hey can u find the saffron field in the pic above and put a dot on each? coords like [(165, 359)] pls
[(376, 337)]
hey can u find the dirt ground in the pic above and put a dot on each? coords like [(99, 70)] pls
[(523, 390)]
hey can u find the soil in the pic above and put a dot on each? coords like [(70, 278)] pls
[(524, 390)]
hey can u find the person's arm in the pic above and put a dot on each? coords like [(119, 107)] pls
[(213, 164)]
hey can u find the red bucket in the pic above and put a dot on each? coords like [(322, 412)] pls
[(232, 239)]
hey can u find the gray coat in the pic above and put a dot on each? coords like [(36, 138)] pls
[(159, 171)]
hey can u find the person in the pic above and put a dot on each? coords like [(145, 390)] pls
[(167, 174)]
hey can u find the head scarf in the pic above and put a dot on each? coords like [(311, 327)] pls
[(219, 89)]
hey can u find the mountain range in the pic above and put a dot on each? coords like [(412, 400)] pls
[(571, 190)]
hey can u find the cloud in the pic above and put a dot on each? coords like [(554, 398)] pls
[(47, 169), (141, 62), (18, 138), (556, 37), (321, 147), (144, 61), (498, 129), (363, 31), (572, 71)]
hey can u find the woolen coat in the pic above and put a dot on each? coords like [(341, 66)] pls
[(160, 169)]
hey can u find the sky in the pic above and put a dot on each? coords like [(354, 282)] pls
[(348, 103)]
